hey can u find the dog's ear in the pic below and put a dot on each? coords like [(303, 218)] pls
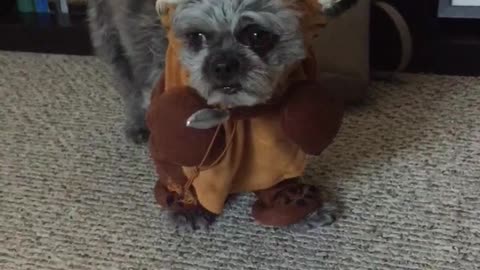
[(162, 5), (316, 14), (333, 8), (165, 9)]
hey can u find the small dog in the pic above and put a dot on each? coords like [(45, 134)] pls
[(230, 61)]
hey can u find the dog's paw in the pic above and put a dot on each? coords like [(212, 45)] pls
[(192, 219), (324, 216), (137, 134)]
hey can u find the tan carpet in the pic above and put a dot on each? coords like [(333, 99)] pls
[(74, 195)]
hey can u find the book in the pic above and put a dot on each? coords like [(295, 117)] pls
[(62, 6), (25, 6), (62, 12), (59, 6), (41, 6)]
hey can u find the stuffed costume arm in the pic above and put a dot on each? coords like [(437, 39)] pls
[(171, 140), (311, 118)]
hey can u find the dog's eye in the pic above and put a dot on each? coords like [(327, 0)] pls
[(258, 39), (196, 40)]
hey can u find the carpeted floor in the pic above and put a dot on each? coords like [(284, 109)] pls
[(74, 195)]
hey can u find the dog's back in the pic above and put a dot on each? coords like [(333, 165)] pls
[(128, 36)]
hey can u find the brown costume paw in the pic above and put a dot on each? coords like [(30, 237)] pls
[(287, 203), (185, 211)]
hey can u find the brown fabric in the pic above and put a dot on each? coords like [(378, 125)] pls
[(243, 113), (342, 48), (168, 172), (286, 203), (259, 153), (172, 200), (171, 140), (312, 117), (164, 169), (312, 19), (175, 74), (247, 165)]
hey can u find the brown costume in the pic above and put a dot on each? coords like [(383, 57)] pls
[(260, 149)]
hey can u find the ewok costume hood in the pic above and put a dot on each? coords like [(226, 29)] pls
[(259, 148)]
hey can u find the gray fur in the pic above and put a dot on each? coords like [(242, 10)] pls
[(128, 36), (221, 20)]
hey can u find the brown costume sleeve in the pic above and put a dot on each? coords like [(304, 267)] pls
[(311, 117), (170, 139)]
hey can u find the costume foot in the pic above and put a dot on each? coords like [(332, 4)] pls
[(183, 215), (287, 203)]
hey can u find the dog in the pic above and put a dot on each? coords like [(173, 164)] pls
[(229, 61)]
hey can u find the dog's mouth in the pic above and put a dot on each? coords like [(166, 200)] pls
[(230, 89), (231, 95)]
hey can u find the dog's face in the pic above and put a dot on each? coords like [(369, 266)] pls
[(236, 51)]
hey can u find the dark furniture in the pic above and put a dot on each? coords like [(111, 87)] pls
[(441, 45), (446, 9), (43, 33)]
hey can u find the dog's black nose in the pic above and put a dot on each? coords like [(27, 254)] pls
[(225, 66)]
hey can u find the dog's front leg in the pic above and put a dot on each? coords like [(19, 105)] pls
[(184, 211)]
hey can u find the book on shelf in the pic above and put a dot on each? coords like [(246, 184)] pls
[(25, 6), (41, 6), (48, 13), (73, 7), (62, 12), (46, 6), (61, 6)]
